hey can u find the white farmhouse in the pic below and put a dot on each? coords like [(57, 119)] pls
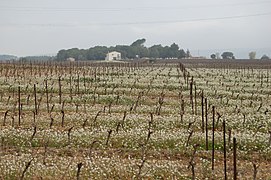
[(114, 55), (70, 59)]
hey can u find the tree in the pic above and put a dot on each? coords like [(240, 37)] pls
[(252, 55), (217, 55), (176, 52), (97, 53), (227, 55), (182, 53), (139, 42), (154, 51), (213, 56), (188, 55), (164, 53), (123, 49), (62, 55), (265, 57)]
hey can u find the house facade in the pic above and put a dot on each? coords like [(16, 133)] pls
[(70, 59), (112, 56)]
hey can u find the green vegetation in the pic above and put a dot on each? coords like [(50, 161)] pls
[(135, 50), (265, 57), (227, 55), (7, 57), (36, 58)]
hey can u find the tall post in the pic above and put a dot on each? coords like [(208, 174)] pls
[(35, 96), (19, 104), (234, 160), (224, 149), (191, 96), (213, 138), (59, 91), (202, 111), (196, 109), (47, 96), (206, 123), (78, 84)]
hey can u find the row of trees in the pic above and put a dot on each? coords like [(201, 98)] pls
[(37, 58), (229, 55), (224, 55), (7, 57), (135, 50), (252, 55)]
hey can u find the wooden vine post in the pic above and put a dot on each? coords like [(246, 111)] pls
[(196, 109), (224, 150), (47, 95), (35, 96), (202, 111), (206, 124), (213, 138), (59, 91), (234, 159), (19, 104), (191, 96)]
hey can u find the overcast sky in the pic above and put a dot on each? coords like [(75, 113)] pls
[(37, 27)]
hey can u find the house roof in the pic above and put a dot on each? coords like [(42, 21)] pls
[(114, 52)]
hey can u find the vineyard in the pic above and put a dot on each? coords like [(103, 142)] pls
[(164, 120)]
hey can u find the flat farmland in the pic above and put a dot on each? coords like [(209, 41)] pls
[(185, 119)]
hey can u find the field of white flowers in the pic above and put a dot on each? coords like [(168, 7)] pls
[(128, 121)]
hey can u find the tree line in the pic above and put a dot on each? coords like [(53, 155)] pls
[(7, 57), (36, 58), (230, 55), (133, 51)]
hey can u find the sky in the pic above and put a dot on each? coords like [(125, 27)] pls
[(43, 27)]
